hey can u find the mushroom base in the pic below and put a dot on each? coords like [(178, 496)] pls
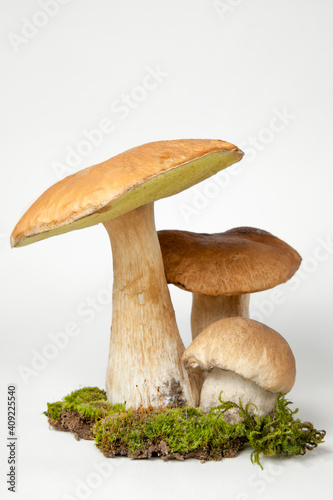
[(235, 388)]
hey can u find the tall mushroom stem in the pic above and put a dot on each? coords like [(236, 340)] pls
[(144, 366), (206, 309)]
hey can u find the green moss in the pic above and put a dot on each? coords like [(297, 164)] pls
[(185, 430), (54, 411), (89, 401), (85, 395), (277, 434)]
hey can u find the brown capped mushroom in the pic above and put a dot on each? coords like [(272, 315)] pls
[(144, 364), (222, 269), (246, 360)]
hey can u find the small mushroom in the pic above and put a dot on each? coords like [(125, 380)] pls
[(222, 269), (246, 360), (144, 364)]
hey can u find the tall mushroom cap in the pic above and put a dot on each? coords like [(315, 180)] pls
[(238, 261), (246, 347), (127, 181)]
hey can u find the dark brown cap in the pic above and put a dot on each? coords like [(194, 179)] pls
[(241, 260)]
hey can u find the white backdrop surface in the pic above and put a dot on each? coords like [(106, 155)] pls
[(256, 73)]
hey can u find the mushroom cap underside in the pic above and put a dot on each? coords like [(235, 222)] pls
[(131, 179)]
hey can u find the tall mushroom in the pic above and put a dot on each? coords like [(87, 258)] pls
[(246, 360), (222, 269), (144, 364)]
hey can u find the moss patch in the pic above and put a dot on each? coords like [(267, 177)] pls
[(181, 432)]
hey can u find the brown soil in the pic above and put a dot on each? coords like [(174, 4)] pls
[(161, 449), (71, 421), (81, 427)]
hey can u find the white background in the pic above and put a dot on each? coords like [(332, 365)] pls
[(227, 72)]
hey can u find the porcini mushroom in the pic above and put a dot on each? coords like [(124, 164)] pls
[(246, 360), (144, 364), (222, 269)]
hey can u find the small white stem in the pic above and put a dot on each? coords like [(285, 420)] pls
[(235, 388), (206, 309), (145, 366)]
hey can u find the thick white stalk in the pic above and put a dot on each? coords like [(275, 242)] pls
[(206, 309), (235, 388), (145, 366)]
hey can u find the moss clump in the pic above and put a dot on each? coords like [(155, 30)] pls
[(54, 411), (182, 432), (276, 434), (88, 401)]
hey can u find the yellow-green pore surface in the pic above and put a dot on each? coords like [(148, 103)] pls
[(134, 178), (187, 429)]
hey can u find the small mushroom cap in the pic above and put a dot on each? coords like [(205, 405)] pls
[(246, 347), (241, 260), (127, 181)]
